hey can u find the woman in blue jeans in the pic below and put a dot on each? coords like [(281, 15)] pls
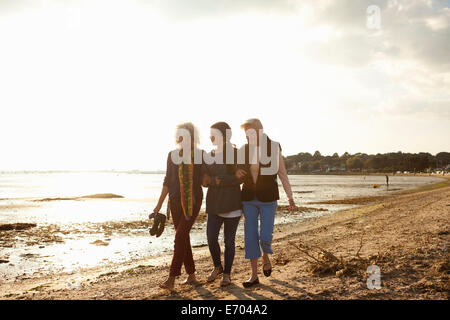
[(223, 200), (260, 195)]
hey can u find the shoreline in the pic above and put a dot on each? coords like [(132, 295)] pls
[(350, 173), (125, 280)]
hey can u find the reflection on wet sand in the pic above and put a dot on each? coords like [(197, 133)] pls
[(55, 232)]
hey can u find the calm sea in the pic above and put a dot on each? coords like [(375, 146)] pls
[(79, 223)]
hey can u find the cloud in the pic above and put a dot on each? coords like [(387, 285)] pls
[(346, 50), (316, 62), (410, 30), (193, 9), (401, 69), (419, 32), (347, 14)]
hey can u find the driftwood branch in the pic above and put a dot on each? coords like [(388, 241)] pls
[(304, 251), (326, 263), (360, 246)]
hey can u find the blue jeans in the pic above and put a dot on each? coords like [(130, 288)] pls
[(255, 239), (212, 231)]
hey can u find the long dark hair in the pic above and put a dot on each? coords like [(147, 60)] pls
[(223, 127)]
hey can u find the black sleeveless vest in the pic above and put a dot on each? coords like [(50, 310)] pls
[(266, 187)]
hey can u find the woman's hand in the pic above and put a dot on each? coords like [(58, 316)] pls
[(157, 208), (162, 197), (292, 206), (240, 173), (217, 181)]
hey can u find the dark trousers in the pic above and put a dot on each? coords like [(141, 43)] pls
[(212, 231), (182, 253)]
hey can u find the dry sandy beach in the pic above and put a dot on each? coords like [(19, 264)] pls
[(406, 235)]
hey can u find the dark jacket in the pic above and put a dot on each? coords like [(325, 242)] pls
[(266, 187), (226, 196), (172, 181)]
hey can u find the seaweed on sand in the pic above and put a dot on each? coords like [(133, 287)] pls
[(91, 196), (17, 226), (300, 209)]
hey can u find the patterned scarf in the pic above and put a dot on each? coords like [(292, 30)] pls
[(186, 176)]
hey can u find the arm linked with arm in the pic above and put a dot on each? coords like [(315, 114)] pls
[(228, 180), (206, 178)]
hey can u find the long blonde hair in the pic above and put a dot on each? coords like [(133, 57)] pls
[(193, 131)]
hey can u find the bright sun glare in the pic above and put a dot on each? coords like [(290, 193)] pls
[(102, 85)]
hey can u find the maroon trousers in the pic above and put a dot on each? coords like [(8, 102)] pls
[(182, 253)]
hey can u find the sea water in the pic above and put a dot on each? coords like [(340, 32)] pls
[(80, 222)]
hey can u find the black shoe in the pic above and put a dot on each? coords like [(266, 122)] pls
[(159, 221), (248, 284), (267, 272)]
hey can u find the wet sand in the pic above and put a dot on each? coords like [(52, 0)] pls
[(406, 235)]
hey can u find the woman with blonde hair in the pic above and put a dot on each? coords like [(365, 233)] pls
[(183, 184), (260, 195)]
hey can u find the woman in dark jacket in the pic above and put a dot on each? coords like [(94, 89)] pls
[(223, 200), (183, 184)]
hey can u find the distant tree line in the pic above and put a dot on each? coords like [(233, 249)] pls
[(305, 162)]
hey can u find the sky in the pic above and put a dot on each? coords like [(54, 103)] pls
[(101, 84)]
